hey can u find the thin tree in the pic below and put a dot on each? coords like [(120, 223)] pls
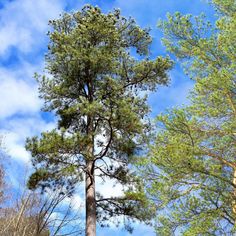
[(27, 213), (34, 214), (95, 89), (2, 174)]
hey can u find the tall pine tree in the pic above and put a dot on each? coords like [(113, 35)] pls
[(192, 165), (95, 89)]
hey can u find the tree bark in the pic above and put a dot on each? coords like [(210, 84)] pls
[(90, 178), (90, 183), (90, 200)]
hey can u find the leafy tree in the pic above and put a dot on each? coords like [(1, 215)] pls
[(191, 166), (94, 89)]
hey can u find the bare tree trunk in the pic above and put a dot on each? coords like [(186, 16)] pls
[(90, 178), (90, 183), (90, 200)]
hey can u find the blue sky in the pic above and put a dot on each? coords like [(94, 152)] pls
[(23, 42)]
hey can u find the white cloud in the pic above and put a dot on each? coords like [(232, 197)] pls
[(14, 147), (20, 108), (109, 187), (18, 90), (16, 130), (23, 23), (77, 201), (16, 95), (23, 26)]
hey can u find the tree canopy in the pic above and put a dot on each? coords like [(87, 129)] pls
[(191, 167), (95, 87)]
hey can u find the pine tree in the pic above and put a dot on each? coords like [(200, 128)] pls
[(95, 89), (192, 166)]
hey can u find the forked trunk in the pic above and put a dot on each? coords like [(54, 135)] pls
[(90, 201)]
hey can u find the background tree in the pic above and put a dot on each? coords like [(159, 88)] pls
[(30, 213), (2, 182), (192, 167), (94, 89), (33, 214)]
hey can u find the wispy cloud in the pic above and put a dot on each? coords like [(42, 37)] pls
[(23, 27), (17, 129), (18, 94), (24, 21)]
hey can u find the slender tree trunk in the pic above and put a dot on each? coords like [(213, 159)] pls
[(90, 201), (90, 184)]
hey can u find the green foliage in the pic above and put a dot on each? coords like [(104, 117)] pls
[(94, 89), (191, 166)]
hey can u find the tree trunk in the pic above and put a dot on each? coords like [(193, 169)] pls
[(90, 178), (234, 195), (90, 201)]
